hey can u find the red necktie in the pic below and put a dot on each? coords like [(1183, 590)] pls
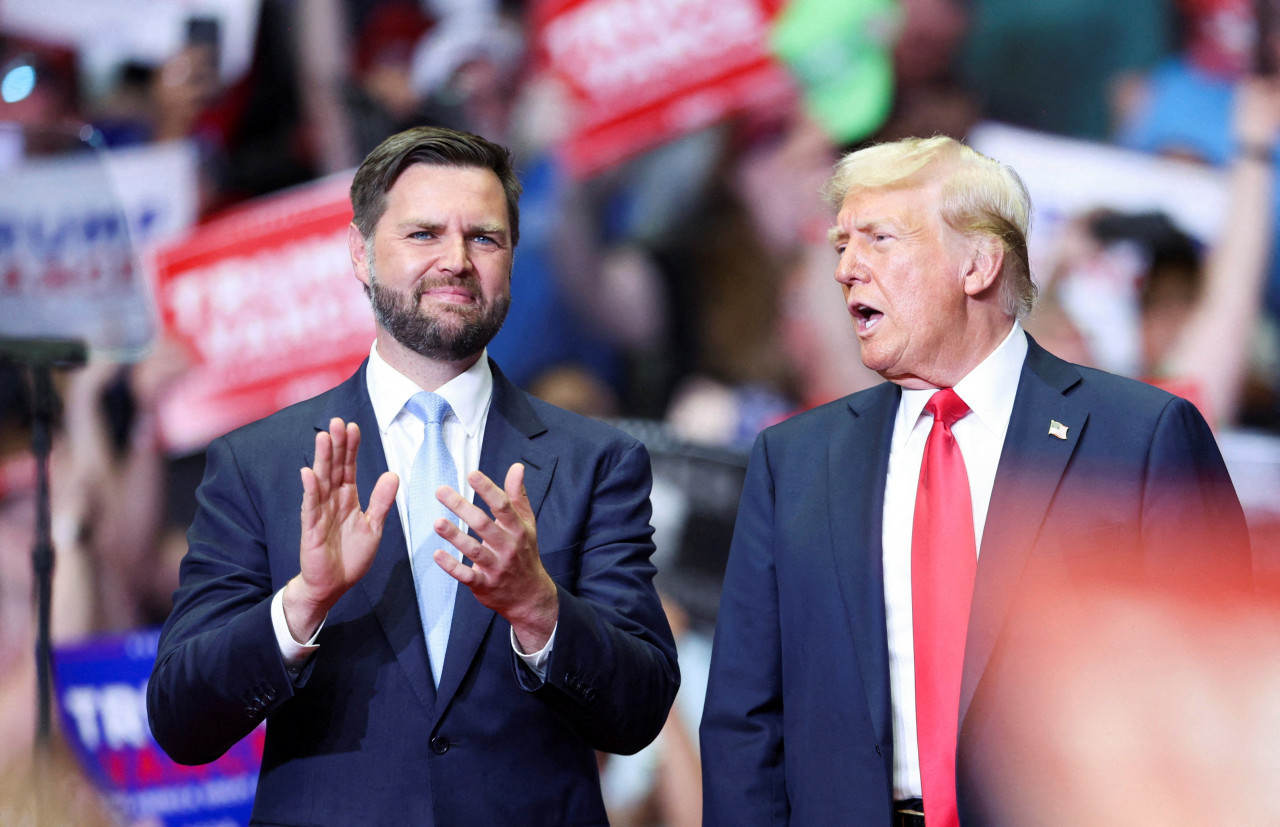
[(943, 562)]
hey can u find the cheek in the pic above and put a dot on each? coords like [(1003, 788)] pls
[(390, 266), (924, 296), (497, 282)]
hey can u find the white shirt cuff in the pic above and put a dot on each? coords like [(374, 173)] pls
[(295, 654), (537, 661)]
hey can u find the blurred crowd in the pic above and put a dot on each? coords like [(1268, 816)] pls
[(689, 286)]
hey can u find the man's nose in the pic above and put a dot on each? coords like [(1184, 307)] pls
[(849, 268), (453, 256)]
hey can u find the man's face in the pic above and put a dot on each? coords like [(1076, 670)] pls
[(439, 265), (902, 270)]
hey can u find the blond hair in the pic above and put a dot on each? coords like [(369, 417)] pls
[(980, 196)]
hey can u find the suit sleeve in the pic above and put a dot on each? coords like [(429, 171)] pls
[(1193, 524), (741, 734), (218, 671), (612, 675)]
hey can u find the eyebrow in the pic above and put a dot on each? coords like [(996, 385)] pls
[(487, 229), (437, 227), (870, 225), (412, 224)]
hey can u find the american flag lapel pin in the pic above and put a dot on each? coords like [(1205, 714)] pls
[(1057, 429)]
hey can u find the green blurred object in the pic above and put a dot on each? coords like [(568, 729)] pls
[(1052, 66), (841, 54)]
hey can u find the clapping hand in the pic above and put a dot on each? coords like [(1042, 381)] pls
[(506, 574), (338, 539)]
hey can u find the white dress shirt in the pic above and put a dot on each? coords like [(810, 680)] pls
[(469, 395), (989, 391)]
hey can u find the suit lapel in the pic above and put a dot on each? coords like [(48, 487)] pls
[(857, 464), (1032, 463), (508, 436)]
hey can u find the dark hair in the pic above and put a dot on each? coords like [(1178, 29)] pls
[(434, 146), (1174, 258)]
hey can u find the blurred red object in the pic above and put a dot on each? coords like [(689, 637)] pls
[(1221, 35), (390, 34), (1127, 702)]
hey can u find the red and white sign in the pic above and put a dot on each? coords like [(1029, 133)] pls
[(643, 72), (266, 300)]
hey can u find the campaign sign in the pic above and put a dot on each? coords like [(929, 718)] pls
[(266, 301), (643, 72), (157, 186), (101, 688), (68, 268)]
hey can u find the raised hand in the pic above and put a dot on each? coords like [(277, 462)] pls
[(507, 574), (338, 539)]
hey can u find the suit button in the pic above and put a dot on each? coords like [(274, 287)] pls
[(440, 745)]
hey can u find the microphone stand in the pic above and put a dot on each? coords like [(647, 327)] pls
[(41, 356)]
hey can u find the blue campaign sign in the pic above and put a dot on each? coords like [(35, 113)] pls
[(102, 699)]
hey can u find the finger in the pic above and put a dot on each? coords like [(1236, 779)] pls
[(463, 542), (455, 568), (310, 500), (467, 511), (324, 458), (488, 530), (338, 434), (381, 500), (496, 499), (515, 490), (353, 450)]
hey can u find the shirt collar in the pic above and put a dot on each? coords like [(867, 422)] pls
[(468, 393), (989, 390)]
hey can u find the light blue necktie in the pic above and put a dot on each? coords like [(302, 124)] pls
[(432, 468)]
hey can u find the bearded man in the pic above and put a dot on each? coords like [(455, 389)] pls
[(444, 651)]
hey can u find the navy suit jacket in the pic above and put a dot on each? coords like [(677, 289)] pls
[(362, 735), (797, 725)]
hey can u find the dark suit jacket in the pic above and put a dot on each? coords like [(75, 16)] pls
[(363, 736), (797, 726)]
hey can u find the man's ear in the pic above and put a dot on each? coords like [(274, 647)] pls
[(359, 253), (985, 264)]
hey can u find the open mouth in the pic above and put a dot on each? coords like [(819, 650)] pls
[(866, 317)]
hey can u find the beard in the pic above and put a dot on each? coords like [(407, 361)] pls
[(451, 333)]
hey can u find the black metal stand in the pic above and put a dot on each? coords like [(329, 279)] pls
[(41, 356), (44, 403)]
